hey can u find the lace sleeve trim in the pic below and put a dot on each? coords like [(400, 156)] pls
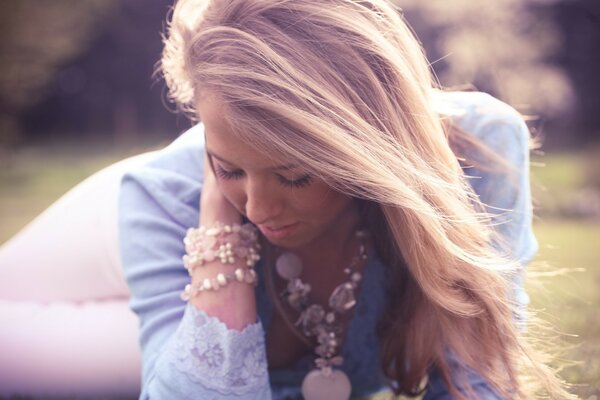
[(218, 358)]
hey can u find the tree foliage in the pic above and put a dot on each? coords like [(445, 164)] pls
[(500, 46), (37, 38), (86, 66)]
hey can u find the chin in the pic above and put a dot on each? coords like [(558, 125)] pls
[(292, 243), (285, 243)]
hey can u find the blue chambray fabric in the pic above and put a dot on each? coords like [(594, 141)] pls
[(159, 202)]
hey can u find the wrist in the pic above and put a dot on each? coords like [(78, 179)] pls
[(225, 243), (220, 259)]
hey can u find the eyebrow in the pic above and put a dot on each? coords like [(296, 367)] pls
[(277, 168)]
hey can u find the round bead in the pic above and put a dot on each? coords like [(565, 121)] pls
[(330, 317), (186, 294), (239, 275), (289, 266), (250, 276), (212, 231), (362, 233), (209, 255), (221, 279)]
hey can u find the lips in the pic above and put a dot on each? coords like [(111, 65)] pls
[(271, 228), (277, 233)]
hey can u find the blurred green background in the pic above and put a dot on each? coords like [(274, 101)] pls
[(77, 93)]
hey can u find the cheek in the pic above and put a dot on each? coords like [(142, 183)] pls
[(322, 203)]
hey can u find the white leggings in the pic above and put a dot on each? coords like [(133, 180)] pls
[(65, 325)]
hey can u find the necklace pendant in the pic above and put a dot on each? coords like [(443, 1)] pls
[(342, 299), (311, 318), (288, 266), (326, 385)]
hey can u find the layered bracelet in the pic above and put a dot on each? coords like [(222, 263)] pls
[(242, 275), (225, 243)]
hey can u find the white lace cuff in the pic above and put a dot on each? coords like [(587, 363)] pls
[(220, 359)]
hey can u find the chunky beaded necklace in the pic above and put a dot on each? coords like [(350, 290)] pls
[(324, 324)]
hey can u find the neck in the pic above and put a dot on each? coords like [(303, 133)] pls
[(333, 246)]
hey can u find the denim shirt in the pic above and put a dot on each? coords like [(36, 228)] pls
[(190, 355)]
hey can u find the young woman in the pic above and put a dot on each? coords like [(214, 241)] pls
[(357, 228)]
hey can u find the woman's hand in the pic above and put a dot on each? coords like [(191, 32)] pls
[(213, 205), (235, 303)]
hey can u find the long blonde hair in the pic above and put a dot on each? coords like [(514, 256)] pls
[(343, 88)]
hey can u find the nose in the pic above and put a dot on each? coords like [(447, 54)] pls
[(262, 203)]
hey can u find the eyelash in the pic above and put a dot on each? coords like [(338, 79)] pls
[(237, 174)]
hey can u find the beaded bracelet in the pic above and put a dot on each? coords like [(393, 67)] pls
[(243, 275), (226, 242)]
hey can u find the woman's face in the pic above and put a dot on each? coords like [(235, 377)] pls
[(291, 208)]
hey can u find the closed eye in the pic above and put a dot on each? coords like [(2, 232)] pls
[(226, 174), (295, 183), (301, 182)]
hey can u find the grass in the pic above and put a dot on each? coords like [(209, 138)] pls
[(570, 299), (34, 178)]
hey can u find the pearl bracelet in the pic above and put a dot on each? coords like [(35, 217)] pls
[(242, 275), (225, 242)]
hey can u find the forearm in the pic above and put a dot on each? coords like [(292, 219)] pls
[(218, 348), (235, 303), (187, 354)]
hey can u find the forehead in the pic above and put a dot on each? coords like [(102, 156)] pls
[(222, 141)]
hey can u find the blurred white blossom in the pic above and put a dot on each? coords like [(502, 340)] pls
[(499, 46)]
